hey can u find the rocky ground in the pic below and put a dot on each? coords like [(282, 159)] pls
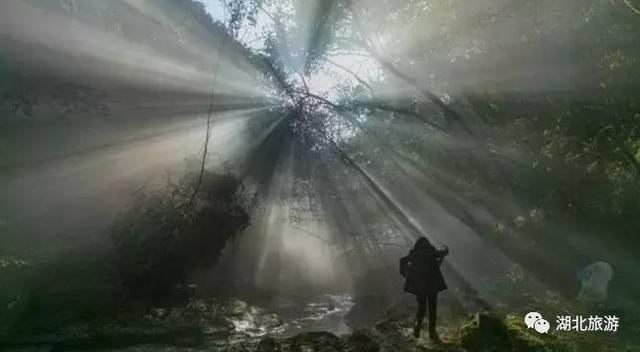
[(232, 325), (77, 312)]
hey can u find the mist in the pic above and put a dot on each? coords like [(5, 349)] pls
[(270, 162)]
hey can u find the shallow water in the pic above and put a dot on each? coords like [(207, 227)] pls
[(283, 317), (326, 313)]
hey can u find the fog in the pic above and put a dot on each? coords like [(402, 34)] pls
[(350, 138), (60, 195)]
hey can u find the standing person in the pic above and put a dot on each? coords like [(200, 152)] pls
[(421, 267)]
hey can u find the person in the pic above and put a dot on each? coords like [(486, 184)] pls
[(421, 268)]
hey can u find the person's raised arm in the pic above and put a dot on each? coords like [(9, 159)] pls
[(441, 253)]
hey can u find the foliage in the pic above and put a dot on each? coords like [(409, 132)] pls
[(528, 110), (548, 149), (166, 235)]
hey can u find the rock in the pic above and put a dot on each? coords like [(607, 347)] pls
[(367, 310), (361, 342), (269, 344), (487, 332), (319, 341), (595, 282)]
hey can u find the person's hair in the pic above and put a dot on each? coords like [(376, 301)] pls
[(422, 244)]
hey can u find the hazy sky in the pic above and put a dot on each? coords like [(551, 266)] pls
[(215, 8), (320, 82)]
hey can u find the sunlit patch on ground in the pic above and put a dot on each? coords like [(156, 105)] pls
[(326, 314)]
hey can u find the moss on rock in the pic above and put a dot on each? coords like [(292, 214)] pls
[(488, 332)]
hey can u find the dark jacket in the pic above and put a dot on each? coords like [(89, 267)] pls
[(422, 271)]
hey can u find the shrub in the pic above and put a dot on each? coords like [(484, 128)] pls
[(166, 235)]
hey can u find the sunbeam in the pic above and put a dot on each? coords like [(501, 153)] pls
[(237, 174)]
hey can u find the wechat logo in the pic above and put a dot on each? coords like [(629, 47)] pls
[(534, 320)]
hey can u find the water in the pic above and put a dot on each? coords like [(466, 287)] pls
[(283, 317)]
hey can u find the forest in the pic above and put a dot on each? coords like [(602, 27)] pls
[(245, 175)]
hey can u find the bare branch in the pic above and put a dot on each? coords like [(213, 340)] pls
[(346, 69), (630, 6), (271, 17), (304, 81)]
